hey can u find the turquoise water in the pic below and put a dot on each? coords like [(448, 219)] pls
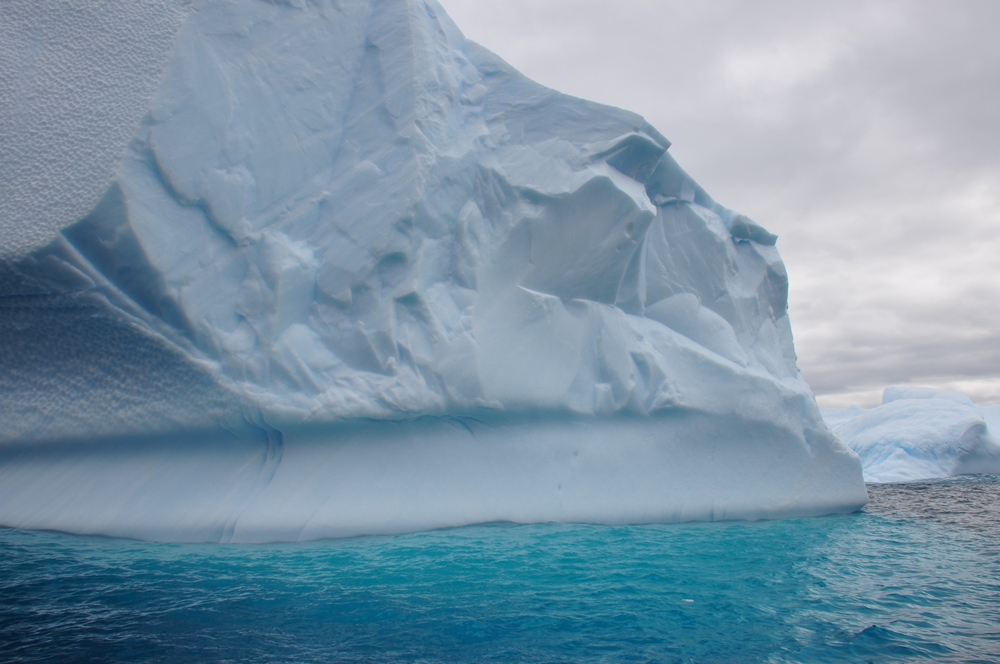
[(915, 576)]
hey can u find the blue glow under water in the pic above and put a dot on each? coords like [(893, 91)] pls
[(915, 576)]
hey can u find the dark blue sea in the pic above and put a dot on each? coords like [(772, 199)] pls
[(914, 577)]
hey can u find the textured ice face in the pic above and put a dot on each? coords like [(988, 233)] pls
[(920, 433), (348, 210), (75, 80), (336, 218)]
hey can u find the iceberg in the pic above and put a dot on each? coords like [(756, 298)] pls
[(919, 433), (354, 274)]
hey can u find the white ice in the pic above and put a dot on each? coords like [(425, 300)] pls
[(357, 274), (920, 433)]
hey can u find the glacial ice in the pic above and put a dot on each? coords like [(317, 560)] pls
[(920, 433), (356, 274)]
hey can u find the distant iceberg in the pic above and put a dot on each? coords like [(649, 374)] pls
[(356, 274), (920, 433)]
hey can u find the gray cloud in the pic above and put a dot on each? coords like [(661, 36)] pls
[(865, 133)]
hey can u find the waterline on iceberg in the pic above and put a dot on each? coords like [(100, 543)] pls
[(378, 477)]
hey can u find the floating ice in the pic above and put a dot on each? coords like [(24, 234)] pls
[(356, 274), (920, 433)]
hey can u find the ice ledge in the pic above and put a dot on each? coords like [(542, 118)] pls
[(378, 477)]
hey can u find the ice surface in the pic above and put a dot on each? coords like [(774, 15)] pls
[(75, 81), (357, 274), (920, 433)]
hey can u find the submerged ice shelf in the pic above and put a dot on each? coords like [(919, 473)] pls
[(920, 433), (356, 274)]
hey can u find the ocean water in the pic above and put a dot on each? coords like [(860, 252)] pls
[(914, 577)]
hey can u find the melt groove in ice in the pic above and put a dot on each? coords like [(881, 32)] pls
[(357, 274)]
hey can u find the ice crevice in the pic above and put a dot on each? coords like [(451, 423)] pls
[(453, 295)]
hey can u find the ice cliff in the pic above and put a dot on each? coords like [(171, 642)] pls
[(920, 433), (355, 274)]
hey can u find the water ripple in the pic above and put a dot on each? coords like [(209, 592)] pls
[(914, 577)]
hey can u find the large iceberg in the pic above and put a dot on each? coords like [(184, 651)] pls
[(356, 274), (920, 433)]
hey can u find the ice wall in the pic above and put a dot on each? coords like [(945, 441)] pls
[(920, 433), (344, 217)]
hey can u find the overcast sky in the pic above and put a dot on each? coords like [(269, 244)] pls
[(865, 134)]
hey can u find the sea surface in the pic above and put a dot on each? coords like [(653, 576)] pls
[(913, 577)]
